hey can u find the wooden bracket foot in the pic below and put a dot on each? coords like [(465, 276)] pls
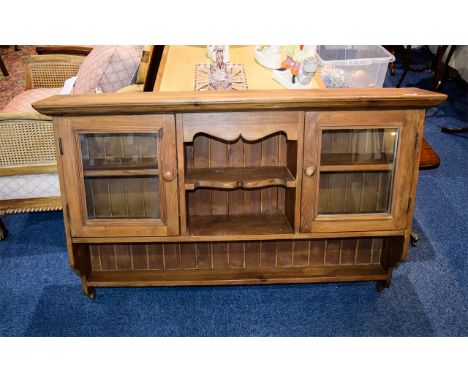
[(90, 292), (382, 284)]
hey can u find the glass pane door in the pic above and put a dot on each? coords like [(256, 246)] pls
[(121, 175), (357, 168)]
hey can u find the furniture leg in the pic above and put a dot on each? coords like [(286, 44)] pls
[(436, 79), (454, 130), (382, 284), (3, 68), (3, 230), (414, 238), (90, 292), (406, 55)]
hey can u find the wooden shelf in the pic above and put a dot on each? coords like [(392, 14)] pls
[(121, 172), (223, 225), (238, 177), (233, 277), (333, 159), (120, 164), (356, 167)]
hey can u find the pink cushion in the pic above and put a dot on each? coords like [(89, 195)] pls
[(110, 67), (22, 102)]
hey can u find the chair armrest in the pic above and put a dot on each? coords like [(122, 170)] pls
[(26, 139), (24, 116), (51, 70), (78, 50), (134, 88)]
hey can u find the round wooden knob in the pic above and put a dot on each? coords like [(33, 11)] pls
[(168, 175), (309, 171)]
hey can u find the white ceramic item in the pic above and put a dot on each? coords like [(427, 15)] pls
[(269, 56)]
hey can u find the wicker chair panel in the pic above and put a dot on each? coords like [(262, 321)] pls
[(24, 143), (47, 75)]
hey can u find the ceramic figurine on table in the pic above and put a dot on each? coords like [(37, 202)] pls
[(220, 74), (269, 56), (213, 50), (219, 77), (298, 68)]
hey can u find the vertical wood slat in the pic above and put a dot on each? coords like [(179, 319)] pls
[(220, 255), (94, 255), (201, 151), (252, 254), (204, 259), (188, 258), (107, 257), (123, 257), (364, 253), (218, 158), (301, 253), (268, 254), (333, 251), (283, 161), (235, 158), (155, 256), (269, 195), (139, 256), (376, 250), (252, 157), (236, 255), (348, 251), (284, 253), (171, 256), (317, 252)]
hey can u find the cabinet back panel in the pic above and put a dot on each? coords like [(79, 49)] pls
[(354, 192), (118, 148), (121, 197), (237, 255)]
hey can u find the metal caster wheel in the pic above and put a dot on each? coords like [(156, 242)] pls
[(90, 293), (414, 238)]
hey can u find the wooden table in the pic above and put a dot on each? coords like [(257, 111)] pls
[(177, 73), (177, 68)]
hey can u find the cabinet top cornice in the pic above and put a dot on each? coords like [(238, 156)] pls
[(189, 102)]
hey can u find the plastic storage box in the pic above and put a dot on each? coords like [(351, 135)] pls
[(353, 66)]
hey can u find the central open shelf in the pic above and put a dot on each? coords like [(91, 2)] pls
[(239, 177), (228, 225)]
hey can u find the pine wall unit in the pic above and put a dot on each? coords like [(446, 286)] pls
[(250, 187)]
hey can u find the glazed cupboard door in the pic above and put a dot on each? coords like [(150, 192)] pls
[(120, 175), (358, 170)]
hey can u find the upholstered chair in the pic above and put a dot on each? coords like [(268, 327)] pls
[(28, 169)]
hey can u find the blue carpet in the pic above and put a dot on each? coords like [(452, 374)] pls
[(41, 296)]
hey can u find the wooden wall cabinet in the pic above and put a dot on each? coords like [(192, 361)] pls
[(238, 188)]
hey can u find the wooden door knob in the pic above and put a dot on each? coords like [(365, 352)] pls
[(309, 171), (168, 175)]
